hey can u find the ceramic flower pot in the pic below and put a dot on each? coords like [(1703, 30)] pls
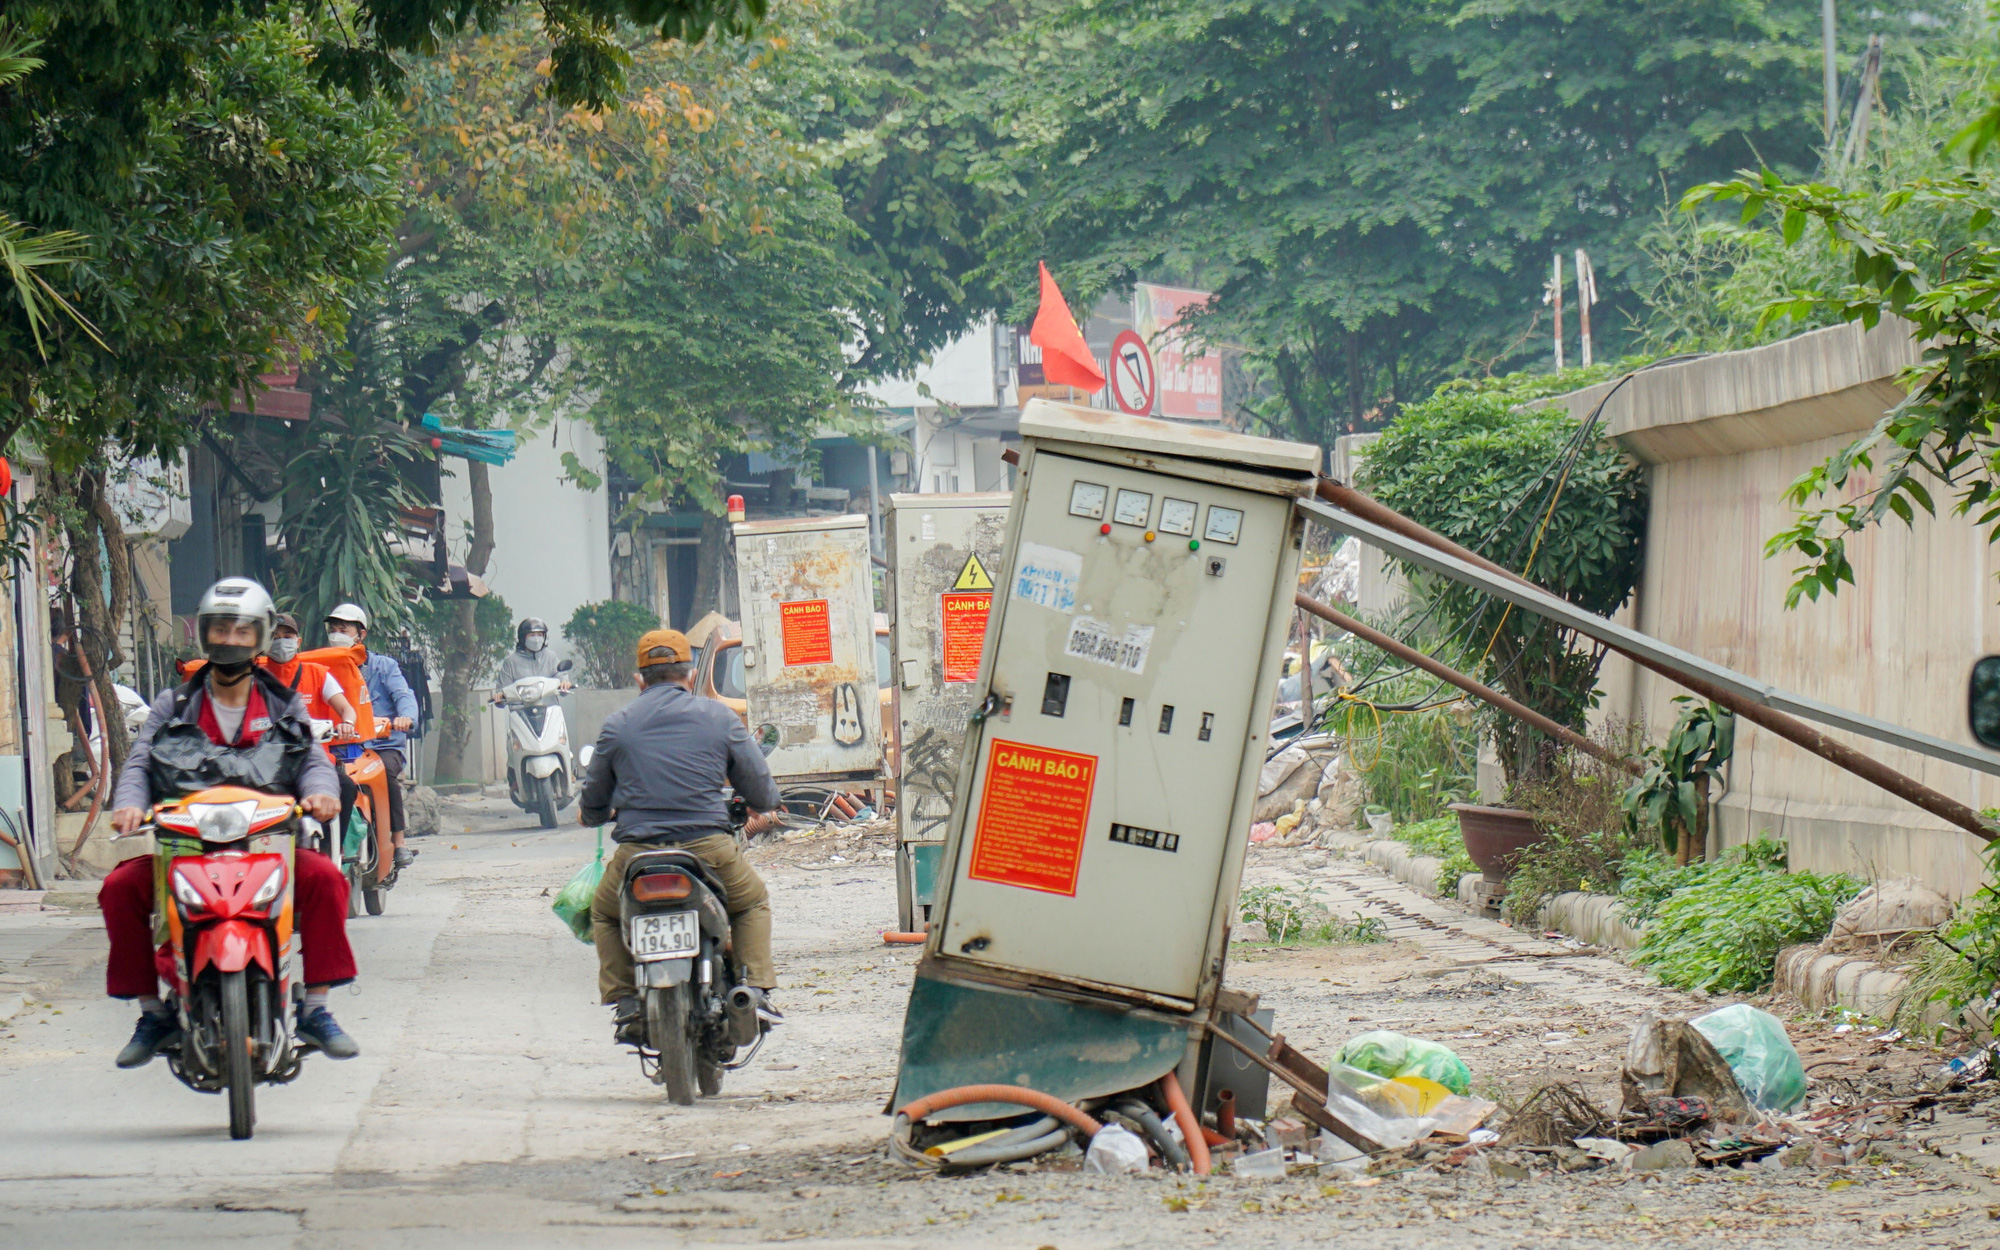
[(1495, 837)]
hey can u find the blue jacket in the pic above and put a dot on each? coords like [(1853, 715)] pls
[(392, 696)]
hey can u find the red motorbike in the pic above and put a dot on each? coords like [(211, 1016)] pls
[(222, 890)]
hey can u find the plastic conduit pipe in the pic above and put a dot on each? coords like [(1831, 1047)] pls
[(1197, 1145), (1149, 1120), (1040, 1137), (1017, 1095), (895, 937)]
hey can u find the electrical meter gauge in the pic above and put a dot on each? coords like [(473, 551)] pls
[(1133, 507), (1177, 517), (1086, 499), (1225, 525)]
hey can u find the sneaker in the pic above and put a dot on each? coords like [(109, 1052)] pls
[(404, 857), (317, 1027), (628, 1022), (157, 1031)]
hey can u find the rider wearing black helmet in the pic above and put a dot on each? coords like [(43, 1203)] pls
[(530, 656)]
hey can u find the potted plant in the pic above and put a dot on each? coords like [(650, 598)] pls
[(1673, 792)]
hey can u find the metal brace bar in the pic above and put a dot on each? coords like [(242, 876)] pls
[(1591, 625), (1311, 1104)]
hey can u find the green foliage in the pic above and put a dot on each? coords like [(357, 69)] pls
[(232, 209), (607, 639), (1588, 840), (1917, 247), (1415, 764), (1439, 838), (1959, 967), (349, 487), (1292, 914), (1668, 796), (1720, 925), (1531, 489), (493, 623), (1374, 188)]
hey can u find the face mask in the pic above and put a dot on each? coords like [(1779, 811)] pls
[(339, 640), (283, 649), (229, 672), (536, 642)]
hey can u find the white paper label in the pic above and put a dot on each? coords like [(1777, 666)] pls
[(1097, 642), (1048, 576)]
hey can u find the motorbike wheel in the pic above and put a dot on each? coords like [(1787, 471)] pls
[(545, 801), (373, 897), (353, 889), (237, 1068), (667, 1031)]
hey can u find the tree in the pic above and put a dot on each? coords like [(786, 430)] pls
[(1374, 188), (1534, 490), (607, 636)]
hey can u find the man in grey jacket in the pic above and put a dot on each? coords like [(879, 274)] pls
[(660, 767)]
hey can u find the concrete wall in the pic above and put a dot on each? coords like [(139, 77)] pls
[(1724, 436), (552, 539)]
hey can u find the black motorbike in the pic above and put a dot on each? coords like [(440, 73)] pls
[(698, 1013)]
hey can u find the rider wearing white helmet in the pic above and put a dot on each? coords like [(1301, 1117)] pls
[(232, 723)]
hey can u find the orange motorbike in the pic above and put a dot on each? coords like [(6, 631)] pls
[(367, 853)]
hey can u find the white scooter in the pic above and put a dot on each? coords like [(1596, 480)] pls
[(541, 776)]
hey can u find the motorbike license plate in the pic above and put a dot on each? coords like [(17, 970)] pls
[(664, 936)]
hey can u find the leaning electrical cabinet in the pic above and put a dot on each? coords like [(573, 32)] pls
[(1105, 786), (808, 602), (943, 550)]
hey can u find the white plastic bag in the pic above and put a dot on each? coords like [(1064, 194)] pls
[(1115, 1149)]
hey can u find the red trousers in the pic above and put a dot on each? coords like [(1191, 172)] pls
[(319, 910)]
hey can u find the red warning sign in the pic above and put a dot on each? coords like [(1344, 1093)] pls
[(963, 615), (1033, 808), (806, 628)]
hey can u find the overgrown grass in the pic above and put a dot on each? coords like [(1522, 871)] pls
[(1290, 914), (1718, 926), (1588, 835), (1415, 764), (1956, 969), (1439, 837)]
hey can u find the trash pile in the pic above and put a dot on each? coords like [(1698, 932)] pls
[(1723, 1089)]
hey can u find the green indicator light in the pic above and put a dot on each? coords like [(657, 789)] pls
[(1194, 544)]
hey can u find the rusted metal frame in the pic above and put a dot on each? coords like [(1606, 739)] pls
[(1311, 1103), (1444, 672), (1377, 517)]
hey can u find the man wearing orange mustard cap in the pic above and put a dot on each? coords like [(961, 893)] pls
[(661, 764)]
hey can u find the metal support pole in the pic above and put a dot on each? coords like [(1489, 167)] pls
[(1391, 531), (1829, 71), (874, 510)]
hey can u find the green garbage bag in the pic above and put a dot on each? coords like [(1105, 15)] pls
[(1393, 1054), (357, 834), (1754, 1045), (572, 905)]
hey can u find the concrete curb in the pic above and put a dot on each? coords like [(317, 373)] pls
[(1419, 872), (1594, 918), (1822, 980)]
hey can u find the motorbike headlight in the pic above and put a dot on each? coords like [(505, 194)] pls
[(269, 890), (223, 822), (190, 898)]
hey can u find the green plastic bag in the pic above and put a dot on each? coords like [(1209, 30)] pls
[(572, 905), (358, 833), (1754, 1045), (1389, 1054)]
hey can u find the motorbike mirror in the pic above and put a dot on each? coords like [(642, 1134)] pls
[(586, 755), (1983, 701), (565, 666)]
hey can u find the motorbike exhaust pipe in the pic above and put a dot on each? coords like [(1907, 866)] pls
[(741, 1008)]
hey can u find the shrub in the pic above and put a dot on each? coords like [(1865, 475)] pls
[(492, 623), (1959, 967), (1413, 763), (1290, 914), (607, 637), (1721, 930), (1439, 837), (1589, 835)]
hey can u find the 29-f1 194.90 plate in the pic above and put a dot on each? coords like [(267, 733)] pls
[(667, 936)]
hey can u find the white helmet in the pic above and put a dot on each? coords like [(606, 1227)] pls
[(235, 599), (349, 612)]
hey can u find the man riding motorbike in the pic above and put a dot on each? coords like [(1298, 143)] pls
[(529, 658), (324, 701), (347, 625), (232, 723), (660, 766)]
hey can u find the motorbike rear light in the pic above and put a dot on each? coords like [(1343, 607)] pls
[(269, 890), (657, 887)]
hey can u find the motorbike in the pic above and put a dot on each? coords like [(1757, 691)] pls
[(541, 776), (366, 849), (222, 890), (698, 1012)]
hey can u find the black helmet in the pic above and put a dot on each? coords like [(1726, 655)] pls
[(529, 625)]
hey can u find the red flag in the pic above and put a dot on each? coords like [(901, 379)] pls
[(1066, 358)]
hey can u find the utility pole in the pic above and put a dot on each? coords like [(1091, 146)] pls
[(1586, 295), (1554, 297), (1830, 72)]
